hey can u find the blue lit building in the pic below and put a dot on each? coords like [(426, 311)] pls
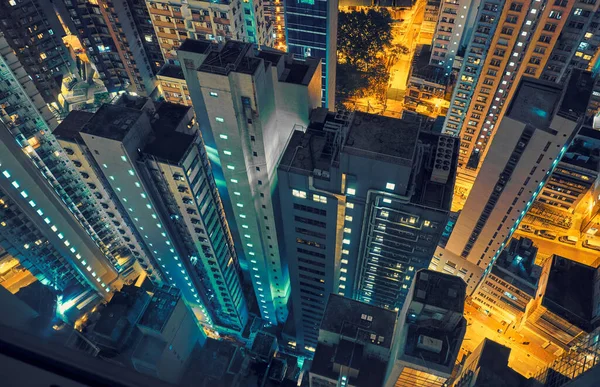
[(311, 30)]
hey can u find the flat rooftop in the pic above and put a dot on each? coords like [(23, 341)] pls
[(172, 71), (73, 123), (441, 290), (169, 144), (233, 56), (149, 349), (371, 370), (570, 291), (124, 306), (161, 307), (112, 122), (195, 45), (356, 319), (535, 102)]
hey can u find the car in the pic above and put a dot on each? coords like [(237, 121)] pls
[(526, 228), (591, 244), (545, 234), (570, 240)]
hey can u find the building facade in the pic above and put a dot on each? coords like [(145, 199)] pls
[(247, 106), (311, 31), (539, 126), (176, 21), (360, 212)]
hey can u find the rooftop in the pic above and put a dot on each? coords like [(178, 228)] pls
[(441, 290), (518, 259), (358, 320), (422, 69), (570, 291), (149, 349), (371, 370), (172, 71), (161, 307), (197, 46), (578, 90), (263, 344), (233, 56), (169, 144), (535, 102), (121, 313), (73, 123), (112, 122)]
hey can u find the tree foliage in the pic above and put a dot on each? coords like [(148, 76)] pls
[(362, 36)]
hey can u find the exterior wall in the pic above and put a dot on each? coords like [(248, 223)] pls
[(31, 29), (475, 236), (311, 30), (247, 121), (174, 90), (202, 226)]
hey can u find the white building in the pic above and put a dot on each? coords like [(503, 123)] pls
[(248, 105), (539, 124)]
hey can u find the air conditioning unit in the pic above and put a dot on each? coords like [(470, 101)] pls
[(443, 159)]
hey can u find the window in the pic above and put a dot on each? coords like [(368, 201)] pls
[(319, 198), (390, 186), (351, 191), (299, 194), (214, 94), (219, 119)]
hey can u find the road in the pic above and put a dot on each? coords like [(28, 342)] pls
[(526, 359), (548, 247)]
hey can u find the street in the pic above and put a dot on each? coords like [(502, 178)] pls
[(526, 359)]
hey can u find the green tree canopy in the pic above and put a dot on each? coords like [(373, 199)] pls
[(362, 36)]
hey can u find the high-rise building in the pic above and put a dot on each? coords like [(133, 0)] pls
[(311, 31), (354, 345), (247, 106), (454, 26), (429, 332), (149, 167), (511, 40), (176, 21), (33, 32), (30, 122), (172, 86), (363, 202), (40, 231), (110, 33), (533, 135)]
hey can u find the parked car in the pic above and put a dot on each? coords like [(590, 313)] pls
[(545, 234), (591, 244), (570, 240), (526, 228)]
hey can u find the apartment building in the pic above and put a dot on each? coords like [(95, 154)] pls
[(247, 105), (509, 40), (429, 332), (34, 33), (363, 202), (172, 86), (311, 31), (30, 122), (534, 134), (454, 22), (176, 21), (177, 230), (108, 33)]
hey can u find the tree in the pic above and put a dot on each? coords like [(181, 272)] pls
[(362, 36)]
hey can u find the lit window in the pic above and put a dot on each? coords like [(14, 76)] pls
[(299, 194), (131, 172), (219, 119), (223, 136), (387, 201), (246, 235), (148, 206), (239, 205), (346, 241), (123, 158), (319, 198), (347, 230), (214, 94), (350, 205), (137, 184), (344, 261), (351, 191), (228, 153), (24, 194), (230, 167), (234, 180), (237, 193), (32, 203), (385, 214), (244, 226), (6, 174), (426, 223), (390, 186), (15, 184), (343, 270), (343, 279), (111, 177), (348, 218)]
